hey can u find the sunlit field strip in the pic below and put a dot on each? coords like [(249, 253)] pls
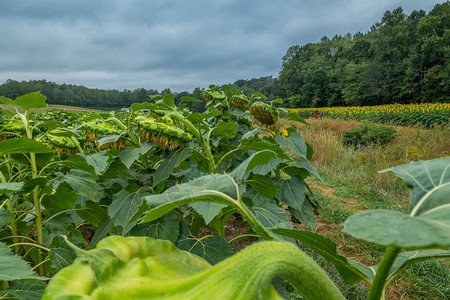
[(424, 114)]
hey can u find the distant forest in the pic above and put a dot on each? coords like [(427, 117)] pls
[(402, 59)]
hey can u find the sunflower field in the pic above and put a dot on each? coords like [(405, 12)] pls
[(423, 114), (141, 205)]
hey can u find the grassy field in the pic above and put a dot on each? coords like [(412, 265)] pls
[(351, 183)]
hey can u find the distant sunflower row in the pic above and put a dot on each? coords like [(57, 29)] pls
[(423, 114)]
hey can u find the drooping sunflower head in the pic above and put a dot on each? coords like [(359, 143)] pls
[(240, 101), (116, 145), (215, 96), (165, 135), (92, 131), (62, 144), (11, 129), (264, 114)]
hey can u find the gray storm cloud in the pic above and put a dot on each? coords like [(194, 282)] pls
[(178, 44)]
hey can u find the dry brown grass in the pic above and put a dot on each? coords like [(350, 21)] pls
[(360, 167)]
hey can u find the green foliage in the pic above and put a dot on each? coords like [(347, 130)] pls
[(402, 59), (228, 165), (367, 134)]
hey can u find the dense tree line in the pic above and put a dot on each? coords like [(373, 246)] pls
[(75, 95), (401, 59)]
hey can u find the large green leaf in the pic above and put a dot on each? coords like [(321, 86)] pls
[(294, 141), (53, 124), (174, 160), (251, 133), (259, 145), (92, 212), (386, 228), (129, 155), (13, 267), (265, 169), (208, 210), (102, 231), (427, 225), (293, 192), (7, 101), (217, 188), (145, 105), (165, 228), (126, 204), (31, 100), (25, 290), (408, 258), (78, 162), (307, 165), (98, 160), (429, 181), (169, 100), (81, 182), (10, 187), (305, 215), (272, 216), (214, 249), (22, 145), (31, 184), (326, 248), (256, 159), (5, 217), (61, 257), (226, 129), (63, 198), (294, 117), (110, 138), (263, 185)]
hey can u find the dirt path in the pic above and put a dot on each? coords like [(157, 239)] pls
[(351, 203), (349, 247)]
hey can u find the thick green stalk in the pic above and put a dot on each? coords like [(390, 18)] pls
[(36, 200), (77, 144), (37, 212), (122, 126), (132, 136), (241, 208), (9, 205), (194, 131), (378, 285), (256, 225)]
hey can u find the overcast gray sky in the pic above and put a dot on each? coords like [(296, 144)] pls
[(179, 44)]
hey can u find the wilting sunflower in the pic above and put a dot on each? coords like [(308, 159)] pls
[(239, 101), (215, 96), (92, 131), (11, 129), (264, 114), (61, 143), (166, 136)]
